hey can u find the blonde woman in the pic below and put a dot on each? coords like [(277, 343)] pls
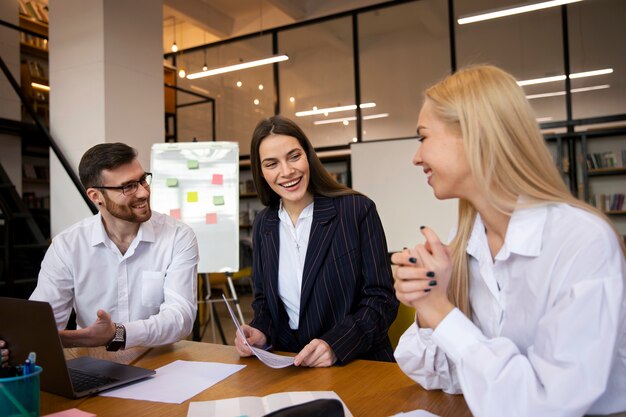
[(524, 312)]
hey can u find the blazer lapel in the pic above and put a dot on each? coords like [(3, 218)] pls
[(322, 232), (271, 243)]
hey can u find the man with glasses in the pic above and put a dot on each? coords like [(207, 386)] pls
[(130, 273)]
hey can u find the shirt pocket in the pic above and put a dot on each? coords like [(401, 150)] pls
[(152, 288)]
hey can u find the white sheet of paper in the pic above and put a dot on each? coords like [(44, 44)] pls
[(258, 406), (416, 413), (268, 358), (176, 382)]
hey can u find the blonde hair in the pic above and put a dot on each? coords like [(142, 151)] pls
[(506, 153)]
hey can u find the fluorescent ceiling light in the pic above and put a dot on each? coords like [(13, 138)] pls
[(349, 119), (508, 11), (40, 86), (543, 119), (573, 90), (237, 67), (562, 77), (200, 89), (334, 109)]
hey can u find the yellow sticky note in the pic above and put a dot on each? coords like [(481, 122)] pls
[(192, 164), (192, 197), (218, 200)]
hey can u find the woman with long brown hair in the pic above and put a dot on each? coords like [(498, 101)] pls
[(322, 278)]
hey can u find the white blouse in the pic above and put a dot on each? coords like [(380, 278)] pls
[(294, 241), (548, 332)]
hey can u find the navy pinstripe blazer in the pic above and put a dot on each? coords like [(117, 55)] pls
[(347, 295)]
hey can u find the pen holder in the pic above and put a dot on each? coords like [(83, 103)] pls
[(19, 395)]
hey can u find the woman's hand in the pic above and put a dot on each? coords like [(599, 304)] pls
[(421, 279), (254, 336), (317, 354)]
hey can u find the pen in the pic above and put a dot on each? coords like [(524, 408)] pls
[(26, 367), (32, 357)]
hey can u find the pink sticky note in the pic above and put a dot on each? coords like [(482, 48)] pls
[(175, 213), (211, 218), (218, 179)]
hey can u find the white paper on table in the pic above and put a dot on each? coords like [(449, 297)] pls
[(176, 382), (416, 413), (268, 358), (258, 406)]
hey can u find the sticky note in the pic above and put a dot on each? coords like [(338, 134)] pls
[(171, 182), (218, 200), (175, 213), (218, 179), (72, 412), (192, 197), (211, 218), (192, 164)]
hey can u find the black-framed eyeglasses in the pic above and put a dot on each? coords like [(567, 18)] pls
[(132, 187)]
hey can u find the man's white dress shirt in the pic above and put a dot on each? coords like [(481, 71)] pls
[(548, 332), (151, 289)]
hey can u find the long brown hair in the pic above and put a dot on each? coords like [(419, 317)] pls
[(320, 181)]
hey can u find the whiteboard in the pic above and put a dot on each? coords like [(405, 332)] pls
[(384, 171), (198, 184)]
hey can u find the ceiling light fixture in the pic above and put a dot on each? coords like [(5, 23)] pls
[(369, 117), (237, 67), (562, 77), (204, 67), (174, 46), (334, 109), (573, 90), (509, 11), (40, 86)]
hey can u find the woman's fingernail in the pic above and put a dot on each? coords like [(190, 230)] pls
[(432, 283), (422, 227), (430, 274), (413, 260), (427, 290)]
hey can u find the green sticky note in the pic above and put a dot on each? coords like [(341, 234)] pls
[(192, 197), (171, 182), (218, 200), (192, 164)]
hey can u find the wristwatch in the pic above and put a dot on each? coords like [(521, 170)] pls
[(119, 340)]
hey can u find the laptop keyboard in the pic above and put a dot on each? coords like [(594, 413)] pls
[(83, 381)]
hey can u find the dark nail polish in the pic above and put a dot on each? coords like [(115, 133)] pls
[(432, 283), (413, 260), (422, 227), (430, 274), (427, 290)]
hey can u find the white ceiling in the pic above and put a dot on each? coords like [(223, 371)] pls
[(197, 22)]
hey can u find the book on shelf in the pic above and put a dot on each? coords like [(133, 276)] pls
[(34, 10), (609, 159), (608, 201)]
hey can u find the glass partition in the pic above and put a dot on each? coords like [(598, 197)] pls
[(402, 50), (319, 75), (528, 45)]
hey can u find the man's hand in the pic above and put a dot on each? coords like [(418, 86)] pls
[(317, 354), (255, 338), (98, 334), (5, 353)]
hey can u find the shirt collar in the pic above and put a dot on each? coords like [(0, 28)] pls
[(99, 234), (523, 235), (284, 216)]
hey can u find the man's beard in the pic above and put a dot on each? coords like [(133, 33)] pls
[(125, 212)]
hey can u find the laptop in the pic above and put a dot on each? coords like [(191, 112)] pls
[(29, 326)]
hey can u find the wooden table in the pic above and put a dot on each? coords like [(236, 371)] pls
[(368, 388)]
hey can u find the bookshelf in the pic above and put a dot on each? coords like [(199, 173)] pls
[(34, 81)]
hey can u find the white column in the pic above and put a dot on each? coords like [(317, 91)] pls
[(11, 151), (106, 79)]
